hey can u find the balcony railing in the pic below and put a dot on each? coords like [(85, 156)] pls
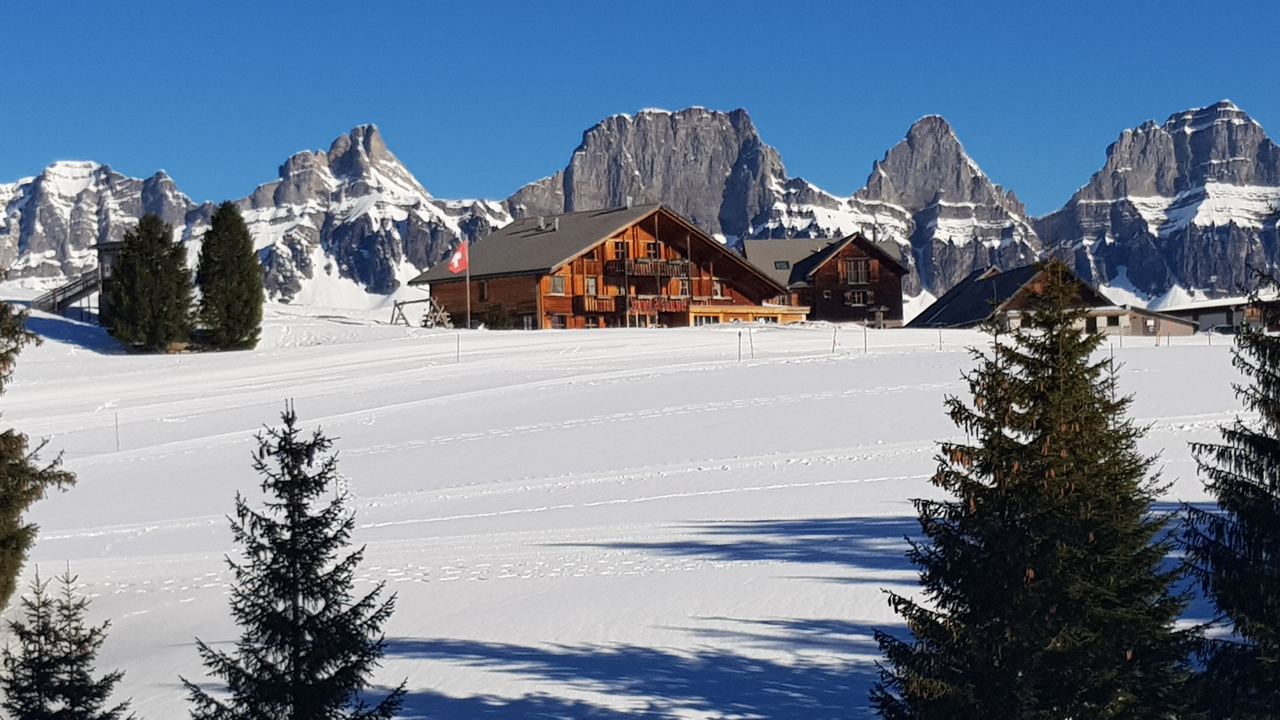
[(596, 304), (647, 267)]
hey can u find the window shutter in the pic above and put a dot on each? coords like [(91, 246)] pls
[(875, 270)]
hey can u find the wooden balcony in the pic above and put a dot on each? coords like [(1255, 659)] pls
[(642, 267), (595, 304)]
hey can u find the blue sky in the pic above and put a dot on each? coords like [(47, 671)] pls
[(478, 98)]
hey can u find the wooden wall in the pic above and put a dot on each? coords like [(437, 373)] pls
[(827, 298)]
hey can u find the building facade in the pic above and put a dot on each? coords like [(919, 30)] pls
[(644, 266)]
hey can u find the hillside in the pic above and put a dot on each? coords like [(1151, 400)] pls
[(577, 524)]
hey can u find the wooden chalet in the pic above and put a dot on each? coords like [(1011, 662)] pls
[(849, 279), (642, 266)]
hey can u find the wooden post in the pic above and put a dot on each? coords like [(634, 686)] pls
[(834, 329), (117, 432), (458, 356), (739, 346), (751, 339), (864, 338)]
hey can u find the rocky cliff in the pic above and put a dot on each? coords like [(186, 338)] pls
[(50, 223), (356, 214), (1188, 203)]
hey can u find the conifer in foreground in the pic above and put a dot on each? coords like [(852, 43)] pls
[(150, 288), (229, 277), (49, 676), (23, 479), (306, 650), (1044, 594), (1235, 553)]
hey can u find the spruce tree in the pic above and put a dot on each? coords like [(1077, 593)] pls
[(229, 277), (306, 650), (150, 288), (1044, 593), (1235, 552), (23, 479), (49, 676)]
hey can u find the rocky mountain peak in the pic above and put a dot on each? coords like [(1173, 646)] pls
[(1185, 203)]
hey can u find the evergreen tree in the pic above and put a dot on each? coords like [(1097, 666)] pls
[(23, 479), (1044, 592), (230, 280), (1235, 553), (50, 674), (306, 651), (150, 288)]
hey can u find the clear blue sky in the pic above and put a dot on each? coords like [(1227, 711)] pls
[(478, 98)]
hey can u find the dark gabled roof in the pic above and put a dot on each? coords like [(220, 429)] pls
[(765, 254), (522, 248), (804, 256), (974, 298)]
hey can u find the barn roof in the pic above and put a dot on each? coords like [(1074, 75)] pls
[(983, 292)]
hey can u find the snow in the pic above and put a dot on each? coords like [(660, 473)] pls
[(1121, 291), (69, 178), (576, 523), (913, 305)]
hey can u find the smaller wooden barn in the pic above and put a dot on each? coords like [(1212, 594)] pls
[(847, 279), (1003, 296)]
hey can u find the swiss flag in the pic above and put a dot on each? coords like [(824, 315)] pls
[(458, 260)]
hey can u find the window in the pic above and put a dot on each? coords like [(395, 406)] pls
[(781, 264), (619, 251), (484, 290), (589, 255), (684, 289), (651, 250), (857, 297), (857, 271), (826, 294), (717, 288), (558, 322), (589, 286), (706, 320), (591, 322), (557, 285), (1113, 321), (527, 321)]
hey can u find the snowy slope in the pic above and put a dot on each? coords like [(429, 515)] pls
[(577, 523)]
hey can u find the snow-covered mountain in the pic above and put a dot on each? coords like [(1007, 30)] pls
[(1189, 203), (50, 223), (354, 220)]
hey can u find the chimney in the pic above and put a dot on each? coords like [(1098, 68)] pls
[(542, 223), (557, 224), (629, 201)]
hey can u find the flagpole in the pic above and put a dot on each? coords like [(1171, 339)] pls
[(467, 255)]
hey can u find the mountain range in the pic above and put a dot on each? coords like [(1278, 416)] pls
[(1187, 204)]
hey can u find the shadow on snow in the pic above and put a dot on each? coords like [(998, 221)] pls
[(656, 683)]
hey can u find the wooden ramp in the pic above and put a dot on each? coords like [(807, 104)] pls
[(60, 298)]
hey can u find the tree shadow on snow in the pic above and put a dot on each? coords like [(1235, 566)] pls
[(864, 543), (657, 683), (71, 332)]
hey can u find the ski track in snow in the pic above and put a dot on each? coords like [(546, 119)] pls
[(575, 524)]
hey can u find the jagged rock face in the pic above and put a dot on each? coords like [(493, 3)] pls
[(50, 223), (355, 212), (959, 220), (1188, 203), (709, 166)]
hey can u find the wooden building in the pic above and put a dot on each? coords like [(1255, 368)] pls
[(642, 266), (849, 279)]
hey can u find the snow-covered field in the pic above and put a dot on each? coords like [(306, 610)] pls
[(576, 523)]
